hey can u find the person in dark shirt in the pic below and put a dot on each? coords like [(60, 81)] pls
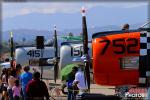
[(36, 89), (70, 80)]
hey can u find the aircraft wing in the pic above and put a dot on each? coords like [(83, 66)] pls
[(72, 37)]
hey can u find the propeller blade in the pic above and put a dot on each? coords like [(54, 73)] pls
[(56, 70), (56, 55), (87, 73), (11, 49), (85, 49)]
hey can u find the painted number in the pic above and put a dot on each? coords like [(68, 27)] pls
[(121, 43), (107, 42), (34, 53), (78, 51), (130, 46), (118, 44)]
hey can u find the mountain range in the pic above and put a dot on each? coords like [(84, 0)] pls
[(30, 35)]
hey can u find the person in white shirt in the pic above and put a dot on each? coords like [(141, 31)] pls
[(80, 81)]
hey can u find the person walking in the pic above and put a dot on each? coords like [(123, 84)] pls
[(25, 77), (36, 89)]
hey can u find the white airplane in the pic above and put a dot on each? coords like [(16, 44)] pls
[(70, 51), (30, 55), (5, 65), (39, 57)]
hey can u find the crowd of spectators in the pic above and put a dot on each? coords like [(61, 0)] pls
[(19, 83)]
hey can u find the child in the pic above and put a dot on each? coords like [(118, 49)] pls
[(16, 90)]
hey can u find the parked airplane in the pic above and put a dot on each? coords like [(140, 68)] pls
[(118, 55), (5, 65), (71, 50), (33, 56), (30, 55)]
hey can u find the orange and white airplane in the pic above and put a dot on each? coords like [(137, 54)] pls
[(121, 57)]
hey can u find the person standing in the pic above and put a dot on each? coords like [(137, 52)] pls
[(18, 71), (70, 80), (25, 77), (16, 90), (36, 89), (80, 81)]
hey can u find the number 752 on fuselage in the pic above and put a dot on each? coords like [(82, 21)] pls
[(116, 56)]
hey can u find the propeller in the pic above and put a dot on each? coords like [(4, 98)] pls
[(56, 55), (11, 49), (85, 49)]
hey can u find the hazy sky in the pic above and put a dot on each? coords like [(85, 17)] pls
[(66, 15), (14, 9)]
